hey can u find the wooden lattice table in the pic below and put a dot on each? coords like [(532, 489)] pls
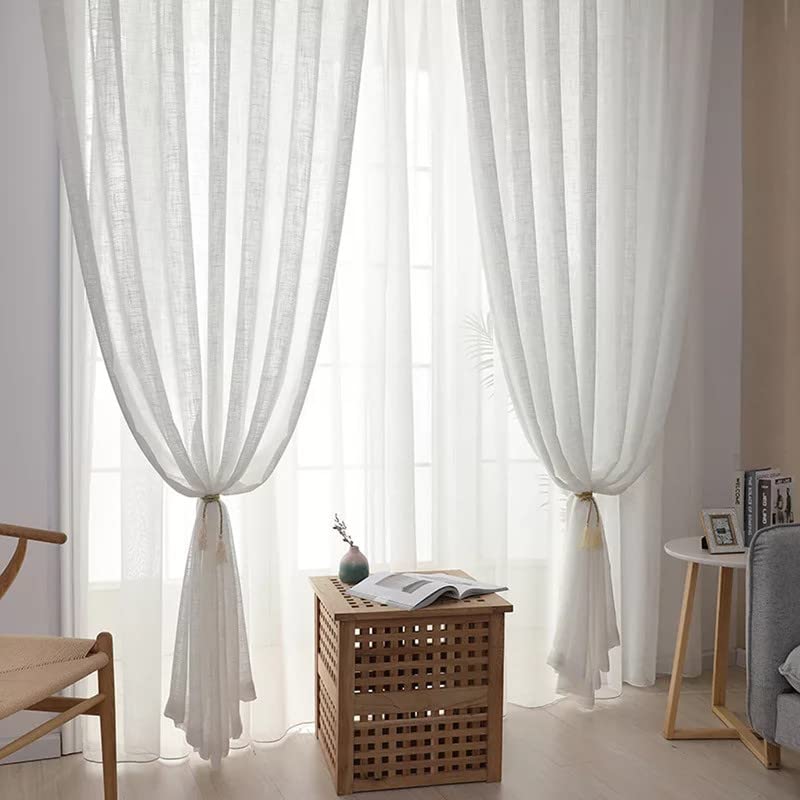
[(408, 698)]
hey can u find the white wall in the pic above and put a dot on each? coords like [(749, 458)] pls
[(29, 407)]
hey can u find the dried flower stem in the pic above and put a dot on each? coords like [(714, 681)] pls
[(341, 528)]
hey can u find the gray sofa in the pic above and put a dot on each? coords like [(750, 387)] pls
[(773, 631)]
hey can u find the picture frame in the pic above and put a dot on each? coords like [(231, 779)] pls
[(722, 532)]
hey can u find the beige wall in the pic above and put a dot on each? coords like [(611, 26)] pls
[(771, 235), (771, 238)]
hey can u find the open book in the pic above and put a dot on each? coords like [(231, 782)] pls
[(416, 590)]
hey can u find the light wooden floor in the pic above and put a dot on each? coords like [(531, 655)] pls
[(558, 752)]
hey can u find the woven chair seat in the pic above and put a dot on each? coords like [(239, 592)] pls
[(35, 667)]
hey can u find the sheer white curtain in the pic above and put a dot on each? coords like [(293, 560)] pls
[(399, 433), (206, 184), (587, 125)]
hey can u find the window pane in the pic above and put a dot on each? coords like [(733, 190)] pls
[(422, 132), (421, 316), (422, 414), (105, 551), (350, 307), (354, 510), (518, 446), (353, 415), (533, 499), (523, 502), (423, 489), (372, 226), (106, 421), (420, 229), (315, 428), (490, 425), (179, 514), (315, 540)]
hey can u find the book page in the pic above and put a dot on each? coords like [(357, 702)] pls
[(402, 589), (467, 587), (417, 590)]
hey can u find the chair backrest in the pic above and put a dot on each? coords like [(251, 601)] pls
[(773, 620), (23, 536)]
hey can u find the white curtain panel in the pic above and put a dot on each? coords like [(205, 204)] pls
[(587, 130), (205, 149)]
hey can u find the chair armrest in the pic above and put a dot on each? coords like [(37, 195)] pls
[(23, 536), (32, 534)]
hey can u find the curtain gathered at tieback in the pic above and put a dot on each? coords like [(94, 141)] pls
[(588, 240), (243, 135)]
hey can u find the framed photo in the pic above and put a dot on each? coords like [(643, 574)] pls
[(721, 528)]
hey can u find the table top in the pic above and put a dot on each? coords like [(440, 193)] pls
[(689, 549), (333, 595)]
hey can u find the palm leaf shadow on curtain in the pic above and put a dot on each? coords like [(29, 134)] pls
[(587, 129)]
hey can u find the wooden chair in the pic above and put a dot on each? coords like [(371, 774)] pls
[(34, 668)]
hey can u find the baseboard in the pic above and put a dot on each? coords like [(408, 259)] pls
[(733, 659), (664, 665), (49, 746)]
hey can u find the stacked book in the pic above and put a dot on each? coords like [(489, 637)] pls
[(762, 497)]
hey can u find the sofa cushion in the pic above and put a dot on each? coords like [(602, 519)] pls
[(773, 624), (790, 669), (787, 728)]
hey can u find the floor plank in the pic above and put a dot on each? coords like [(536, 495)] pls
[(615, 752)]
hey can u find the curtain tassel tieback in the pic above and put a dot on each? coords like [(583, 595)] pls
[(221, 554), (592, 534)]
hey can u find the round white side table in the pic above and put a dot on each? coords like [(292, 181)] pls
[(690, 551)]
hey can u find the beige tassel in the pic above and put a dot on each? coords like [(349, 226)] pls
[(222, 555), (203, 538), (592, 538), (592, 534)]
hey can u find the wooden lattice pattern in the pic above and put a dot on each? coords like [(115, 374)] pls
[(429, 655), (440, 743), (326, 727), (421, 656), (408, 698), (328, 638), (353, 602)]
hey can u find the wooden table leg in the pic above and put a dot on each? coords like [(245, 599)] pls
[(681, 645), (719, 677), (767, 753)]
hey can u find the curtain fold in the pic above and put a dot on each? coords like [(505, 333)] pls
[(205, 149), (587, 129)]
